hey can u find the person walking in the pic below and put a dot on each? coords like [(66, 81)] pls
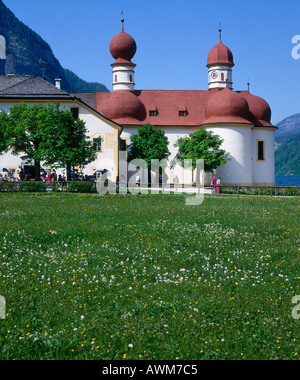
[(138, 180), (214, 184)]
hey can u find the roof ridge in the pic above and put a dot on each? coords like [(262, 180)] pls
[(48, 83)]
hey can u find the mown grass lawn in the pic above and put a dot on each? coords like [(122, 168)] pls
[(147, 277)]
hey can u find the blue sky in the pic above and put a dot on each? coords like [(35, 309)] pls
[(174, 38)]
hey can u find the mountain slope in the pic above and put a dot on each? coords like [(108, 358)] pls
[(287, 141), (288, 128), (26, 51), (287, 157)]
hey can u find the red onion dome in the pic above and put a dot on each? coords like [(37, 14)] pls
[(220, 55), (226, 106), (123, 46), (123, 105), (260, 110)]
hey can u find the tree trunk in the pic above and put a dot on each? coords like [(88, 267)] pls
[(68, 172), (37, 170)]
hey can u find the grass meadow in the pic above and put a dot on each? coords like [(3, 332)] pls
[(148, 278)]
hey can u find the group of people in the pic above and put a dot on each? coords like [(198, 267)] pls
[(51, 177), (8, 178), (216, 183)]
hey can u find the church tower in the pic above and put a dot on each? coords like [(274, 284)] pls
[(123, 48), (219, 64)]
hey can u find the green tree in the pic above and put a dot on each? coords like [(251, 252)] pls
[(66, 142), (23, 126), (4, 137), (48, 134), (287, 157), (148, 144), (202, 144)]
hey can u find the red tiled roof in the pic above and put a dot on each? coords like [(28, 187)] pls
[(168, 103), (260, 111), (226, 106)]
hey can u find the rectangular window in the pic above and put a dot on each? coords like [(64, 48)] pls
[(97, 144), (75, 112), (123, 145), (182, 113), (260, 150), (152, 113)]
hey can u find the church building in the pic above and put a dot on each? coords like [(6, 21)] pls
[(241, 119)]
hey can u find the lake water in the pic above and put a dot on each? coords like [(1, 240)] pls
[(287, 180)]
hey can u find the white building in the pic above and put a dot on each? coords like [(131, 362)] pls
[(242, 119), (103, 132)]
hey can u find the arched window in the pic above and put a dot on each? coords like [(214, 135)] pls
[(222, 77), (116, 78)]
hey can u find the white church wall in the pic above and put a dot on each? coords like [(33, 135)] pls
[(185, 175), (237, 142), (263, 170)]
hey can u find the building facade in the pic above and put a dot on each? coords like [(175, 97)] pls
[(103, 132), (242, 119)]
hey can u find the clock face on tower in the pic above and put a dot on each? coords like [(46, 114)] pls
[(214, 75)]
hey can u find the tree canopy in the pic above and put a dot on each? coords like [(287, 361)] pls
[(4, 138), (48, 134), (202, 144), (66, 143), (149, 144), (23, 126)]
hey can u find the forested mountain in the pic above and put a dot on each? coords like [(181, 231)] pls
[(287, 139), (287, 157), (288, 128), (27, 54)]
